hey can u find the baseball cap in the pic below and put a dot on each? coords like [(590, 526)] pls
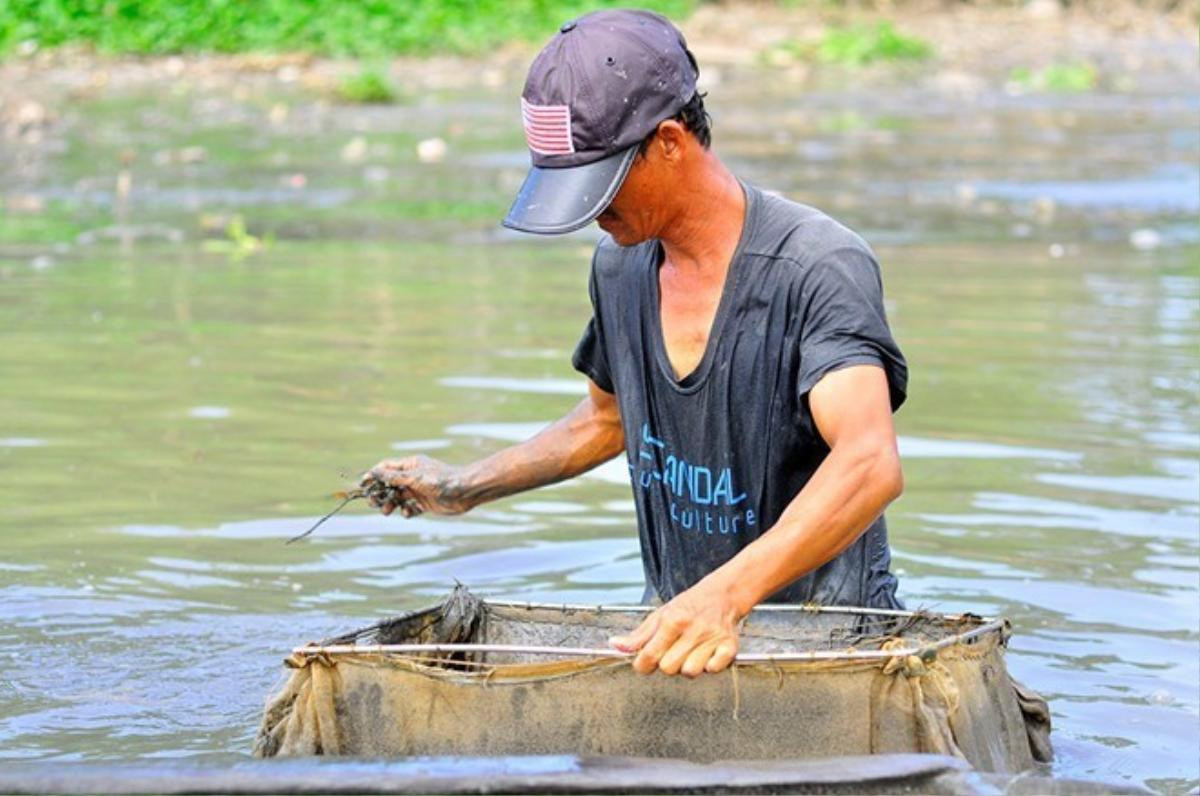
[(592, 94)]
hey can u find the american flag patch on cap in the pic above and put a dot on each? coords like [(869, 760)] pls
[(547, 128)]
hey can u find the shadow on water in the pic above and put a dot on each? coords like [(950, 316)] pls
[(172, 410)]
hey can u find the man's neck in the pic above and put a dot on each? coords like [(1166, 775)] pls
[(704, 230)]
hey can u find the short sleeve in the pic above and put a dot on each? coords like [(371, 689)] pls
[(591, 357), (844, 323)]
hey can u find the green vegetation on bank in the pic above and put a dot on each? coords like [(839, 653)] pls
[(369, 86), (860, 45), (1060, 77), (855, 46), (327, 27)]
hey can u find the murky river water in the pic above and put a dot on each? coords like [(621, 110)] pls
[(170, 410)]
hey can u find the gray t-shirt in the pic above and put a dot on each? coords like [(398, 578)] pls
[(716, 457)]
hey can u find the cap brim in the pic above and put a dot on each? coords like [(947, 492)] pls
[(555, 201)]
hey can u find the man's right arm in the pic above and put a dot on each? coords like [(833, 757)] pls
[(588, 435)]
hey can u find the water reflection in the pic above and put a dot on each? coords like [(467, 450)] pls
[(998, 509), (209, 412), (21, 442), (1182, 483), (918, 448), (421, 445), (547, 386), (1173, 188)]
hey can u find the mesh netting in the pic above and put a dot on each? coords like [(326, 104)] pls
[(489, 678)]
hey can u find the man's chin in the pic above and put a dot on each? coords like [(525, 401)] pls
[(620, 235)]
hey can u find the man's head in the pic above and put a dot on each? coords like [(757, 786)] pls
[(609, 105)]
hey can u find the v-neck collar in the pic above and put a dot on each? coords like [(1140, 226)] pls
[(692, 382)]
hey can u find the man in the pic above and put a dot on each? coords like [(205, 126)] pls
[(738, 353)]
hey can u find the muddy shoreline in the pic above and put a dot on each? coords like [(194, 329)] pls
[(973, 47)]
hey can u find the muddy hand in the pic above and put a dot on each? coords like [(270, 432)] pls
[(416, 485), (694, 633)]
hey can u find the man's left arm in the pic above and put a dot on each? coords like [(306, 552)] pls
[(698, 630)]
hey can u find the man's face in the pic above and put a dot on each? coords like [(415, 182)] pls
[(638, 211), (625, 216)]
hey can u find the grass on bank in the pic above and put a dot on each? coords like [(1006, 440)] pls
[(1065, 78), (325, 27), (370, 86), (858, 45)]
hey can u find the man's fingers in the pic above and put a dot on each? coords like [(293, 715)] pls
[(375, 473), (394, 464), (724, 654), (396, 489), (391, 476), (399, 484), (388, 471), (632, 642), (409, 507), (652, 653), (696, 661), (677, 654)]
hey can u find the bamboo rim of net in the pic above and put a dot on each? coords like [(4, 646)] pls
[(927, 650)]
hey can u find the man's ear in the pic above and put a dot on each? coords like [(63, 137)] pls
[(671, 140)]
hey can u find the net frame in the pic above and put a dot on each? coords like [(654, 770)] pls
[(468, 653)]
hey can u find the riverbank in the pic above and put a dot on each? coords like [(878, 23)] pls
[(1040, 46)]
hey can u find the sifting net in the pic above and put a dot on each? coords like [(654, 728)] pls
[(477, 677)]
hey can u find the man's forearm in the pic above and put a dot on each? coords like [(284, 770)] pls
[(585, 437), (846, 494)]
